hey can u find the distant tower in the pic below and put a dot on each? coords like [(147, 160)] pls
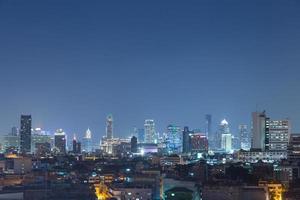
[(244, 137), (133, 143), (109, 127), (60, 141), (87, 141), (226, 137), (186, 140), (76, 146), (150, 133), (174, 139), (25, 134), (74, 142), (208, 125)]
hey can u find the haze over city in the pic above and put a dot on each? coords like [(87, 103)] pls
[(70, 64)]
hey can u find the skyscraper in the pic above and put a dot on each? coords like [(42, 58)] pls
[(87, 141), (226, 143), (244, 137), (269, 135), (150, 134), (226, 137), (259, 130), (279, 134), (76, 146), (199, 143), (208, 125), (60, 141), (174, 139), (25, 134), (109, 127), (186, 140)]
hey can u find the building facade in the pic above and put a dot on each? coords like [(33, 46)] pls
[(60, 141), (150, 134), (244, 137), (25, 134)]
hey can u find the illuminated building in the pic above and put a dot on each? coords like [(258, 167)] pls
[(269, 135), (275, 190), (42, 149), (199, 143), (254, 156), (87, 141), (279, 134), (145, 148), (150, 134), (25, 134), (244, 137), (76, 146), (39, 139), (294, 148), (174, 139), (60, 141), (226, 137), (109, 127), (11, 142)]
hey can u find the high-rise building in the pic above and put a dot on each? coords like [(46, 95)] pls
[(150, 134), (87, 141), (226, 137), (244, 137), (133, 144), (279, 134), (294, 148), (60, 141), (199, 143), (109, 127), (258, 130), (269, 135), (76, 146), (186, 140), (39, 139), (226, 142), (174, 139), (141, 135), (208, 125), (11, 143), (25, 134)]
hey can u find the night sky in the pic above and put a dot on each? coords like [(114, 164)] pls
[(70, 63)]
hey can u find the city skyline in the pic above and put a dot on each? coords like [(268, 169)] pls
[(140, 61)]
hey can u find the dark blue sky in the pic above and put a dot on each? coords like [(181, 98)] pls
[(70, 63)]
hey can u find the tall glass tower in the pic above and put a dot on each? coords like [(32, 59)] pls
[(109, 127), (25, 134), (87, 141), (226, 137)]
